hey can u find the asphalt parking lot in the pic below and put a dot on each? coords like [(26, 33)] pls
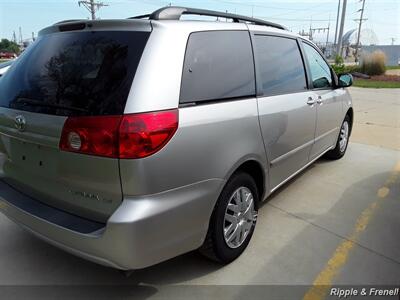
[(336, 223)]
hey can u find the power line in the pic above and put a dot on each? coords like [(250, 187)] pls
[(92, 6)]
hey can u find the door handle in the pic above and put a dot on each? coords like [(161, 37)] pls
[(310, 101), (319, 100)]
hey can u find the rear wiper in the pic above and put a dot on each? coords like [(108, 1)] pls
[(40, 103)]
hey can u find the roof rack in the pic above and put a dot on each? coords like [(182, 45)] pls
[(175, 13)]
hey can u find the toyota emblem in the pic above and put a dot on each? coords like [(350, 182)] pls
[(20, 123)]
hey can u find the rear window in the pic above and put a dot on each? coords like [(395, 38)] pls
[(74, 73), (218, 65)]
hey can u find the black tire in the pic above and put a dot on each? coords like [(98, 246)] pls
[(338, 153), (215, 247)]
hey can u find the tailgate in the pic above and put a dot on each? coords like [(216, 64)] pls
[(31, 162), (85, 72)]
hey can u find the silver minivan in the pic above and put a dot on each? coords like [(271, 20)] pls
[(129, 142)]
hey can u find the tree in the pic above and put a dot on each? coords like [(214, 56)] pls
[(9, 46)]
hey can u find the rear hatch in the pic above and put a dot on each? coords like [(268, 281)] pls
[(67, 74)]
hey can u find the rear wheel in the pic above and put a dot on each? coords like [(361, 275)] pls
[(233, 220), (343, 140)]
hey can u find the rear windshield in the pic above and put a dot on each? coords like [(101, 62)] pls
[(74, 73)]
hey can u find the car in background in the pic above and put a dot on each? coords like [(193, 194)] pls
[(8, 55), (5, 66)]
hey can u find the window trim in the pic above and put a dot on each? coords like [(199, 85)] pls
[(183, 104), (260, 92), (311, 85), (215, 101)]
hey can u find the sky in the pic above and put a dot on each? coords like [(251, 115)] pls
[(383, 16)]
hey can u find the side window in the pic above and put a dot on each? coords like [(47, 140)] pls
[(320, 72), (218, 65), (280, 64)]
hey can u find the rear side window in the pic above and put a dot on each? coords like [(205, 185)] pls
[(280, 64), (218, 65), (74, 73)]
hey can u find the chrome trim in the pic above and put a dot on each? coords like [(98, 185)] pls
[(310, 101), (290, 153), (325, 134), (300, 170)]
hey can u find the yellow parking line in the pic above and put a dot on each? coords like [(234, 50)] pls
[(323, 282)]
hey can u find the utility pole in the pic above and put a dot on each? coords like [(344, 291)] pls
[(92, 6), (304, 33), (20, 36), (337, 22), (319, 29), (340, 37), (327, 36), (359, 30)]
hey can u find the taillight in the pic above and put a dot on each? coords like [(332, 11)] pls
[(91, 135), (141, 135), (127, 136)]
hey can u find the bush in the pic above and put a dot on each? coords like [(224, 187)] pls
[(374, 63), (9, 46), (338, 60), (339, 68), (342, 68)]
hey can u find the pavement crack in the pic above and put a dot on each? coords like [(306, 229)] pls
[(380, 125), (336, 234)]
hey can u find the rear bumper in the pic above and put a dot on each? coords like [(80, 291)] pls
[(141, 232)]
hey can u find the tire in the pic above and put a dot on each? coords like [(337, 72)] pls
[(217, 246), (341, 147)]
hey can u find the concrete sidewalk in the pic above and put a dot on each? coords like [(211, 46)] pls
[(377, 117)]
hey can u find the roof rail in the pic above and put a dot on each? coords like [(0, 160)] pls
[(175, 13)]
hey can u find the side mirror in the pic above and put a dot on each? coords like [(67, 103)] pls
[(345, 80)]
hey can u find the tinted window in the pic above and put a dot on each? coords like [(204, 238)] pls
[(280, 64), (319, 69), (74, 73), (218, 65)]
